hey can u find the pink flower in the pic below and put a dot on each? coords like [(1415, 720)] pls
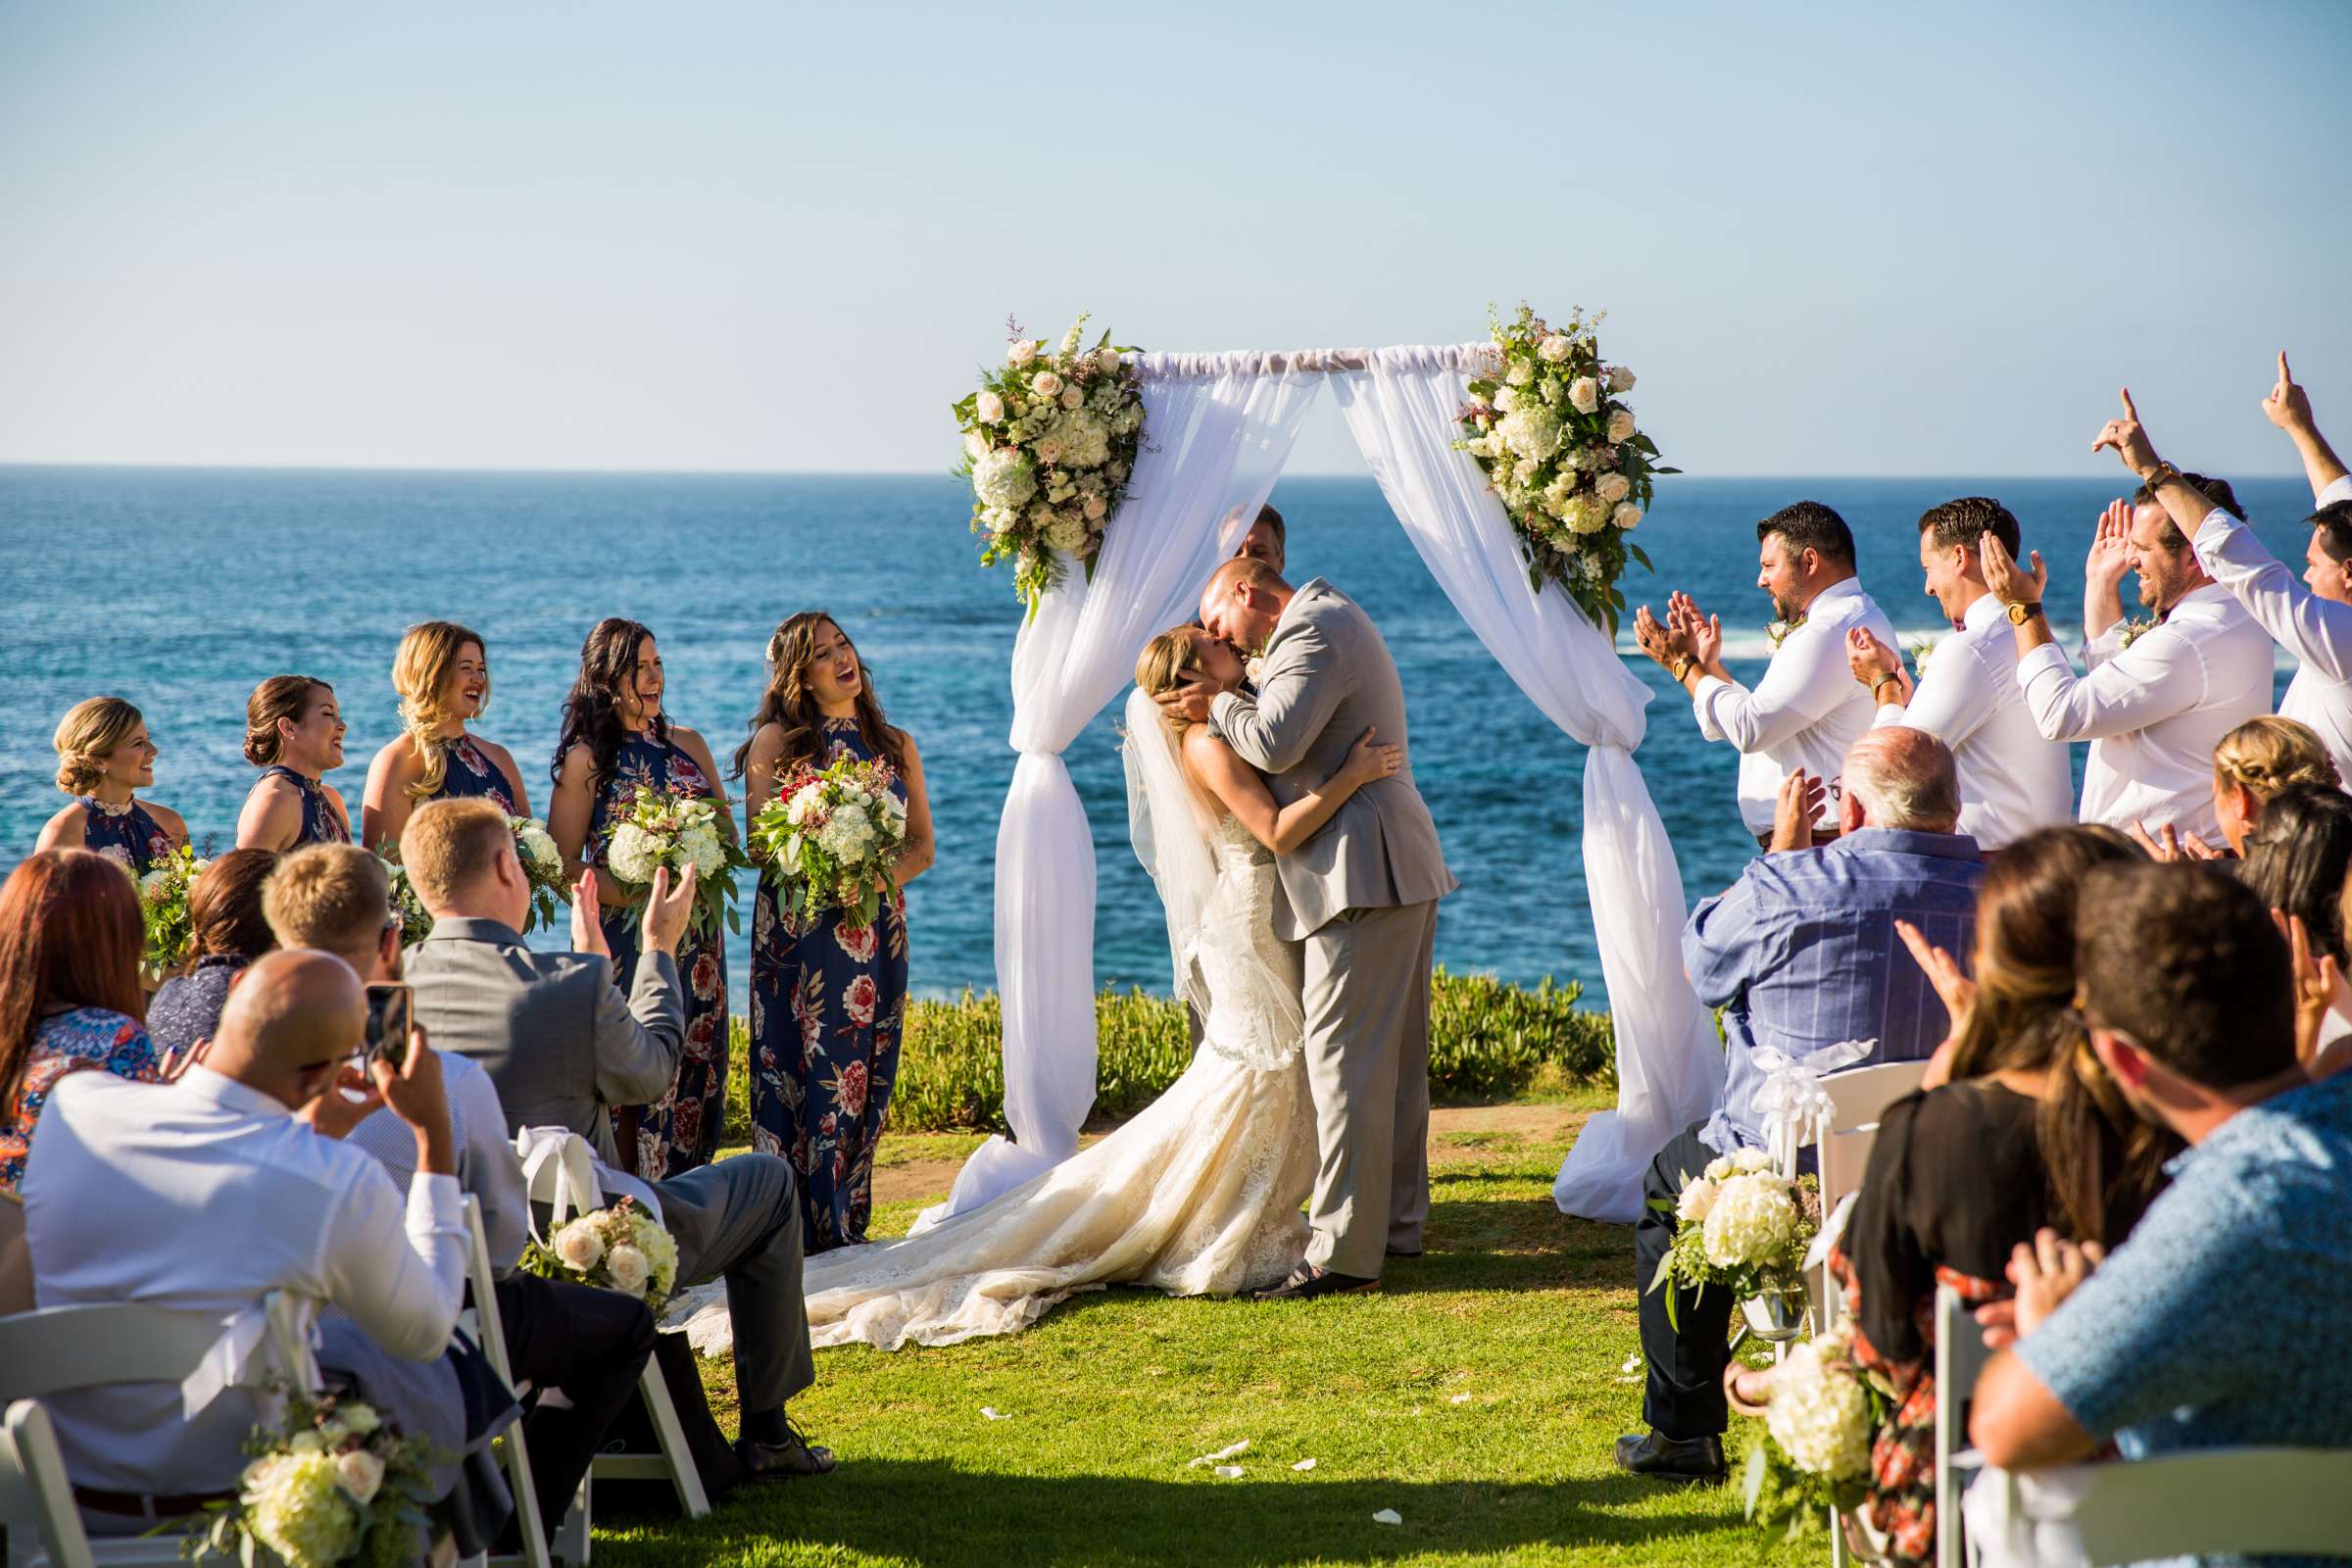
[(686, 1123), (850, 1089), (706, 977), (855, 941), (858, 997)]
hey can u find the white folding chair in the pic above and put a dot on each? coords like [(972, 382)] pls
[(556, 1180), (2219, 1501), (1960, 1356), (487, 1328), (60, 1349), (1863, 1094)]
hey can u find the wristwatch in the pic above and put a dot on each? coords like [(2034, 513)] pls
[(1681, 669), (2163, 474), (1893, 677), (2023, 611)]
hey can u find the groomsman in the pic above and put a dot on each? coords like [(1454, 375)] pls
[(2159, 695), (1806, 711), (2312, 618), (1267, 540), (2012, 781)]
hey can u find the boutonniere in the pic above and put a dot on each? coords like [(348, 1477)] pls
[(2137, 628), (1252, 669), (1920, 651), (1777, 632)]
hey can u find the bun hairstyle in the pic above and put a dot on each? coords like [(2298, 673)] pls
[(1166, 661), (87, 736), (790, 701), (421, 673), (2270, 754), (280, 697)]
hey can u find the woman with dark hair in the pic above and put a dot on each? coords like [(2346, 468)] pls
[(442, 672), (2298, 857), (617, 738), (294, 734), (828, 999), (104, 758), (227, 932)]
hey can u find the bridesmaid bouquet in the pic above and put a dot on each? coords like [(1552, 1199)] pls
[(1049, 443), (543, 865), (163, 909), (617, 1248), (675, 830), (1813, 1450), (832, 835), (1560, 450), (1743, 1226), (337, 1484)]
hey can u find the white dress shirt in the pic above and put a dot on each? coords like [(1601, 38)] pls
[(203, 1195), (2154, 711), (487, 1166), (2317, 631), (1805, 711)]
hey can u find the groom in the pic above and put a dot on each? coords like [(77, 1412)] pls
[(1361, 898)]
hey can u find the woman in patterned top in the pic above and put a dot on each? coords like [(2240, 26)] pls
[(69, 999), (442, 673), (103, 759), (294, 734)]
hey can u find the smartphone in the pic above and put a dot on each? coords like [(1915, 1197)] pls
[(389, 1008)]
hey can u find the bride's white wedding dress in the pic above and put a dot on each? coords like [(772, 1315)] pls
[(1200, 1195)]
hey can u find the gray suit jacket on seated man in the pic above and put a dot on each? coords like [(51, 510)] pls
[(1360, 897), (560, 1047)]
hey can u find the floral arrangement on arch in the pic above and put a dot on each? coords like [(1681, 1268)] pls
[(1048, 444), (336, 1484), (832, 836), (1811, 1451), (1562, 453)]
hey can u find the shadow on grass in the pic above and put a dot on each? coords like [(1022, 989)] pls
[(934, 1512)]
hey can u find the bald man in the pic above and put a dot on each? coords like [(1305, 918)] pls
[(204, 1194)]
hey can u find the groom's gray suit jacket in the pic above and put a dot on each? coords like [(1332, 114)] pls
[(1324, 676)]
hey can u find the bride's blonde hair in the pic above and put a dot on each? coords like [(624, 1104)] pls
[(1167, 659)]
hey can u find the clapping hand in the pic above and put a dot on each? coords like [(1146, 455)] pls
[(667, 909), (2110, 548), (2011, 583), (2129, 441), (1870, 660), (1701, 633), (2045, 1273), (1801, 796), (1957, 991), (2287, 407), (2174, 847), (1660, 640), (587, 916), (2319, 984)]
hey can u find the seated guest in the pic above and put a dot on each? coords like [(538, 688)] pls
[(1800, 953), (2297, 862), (592, 1344), (2156, 697), (104, 758), (69, 999), (206, 1194), (562, 1048), (2255, 763), (227, 932), (2209, 1327), (294, 734)]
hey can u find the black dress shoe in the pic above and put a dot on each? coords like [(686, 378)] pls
[(1310, 1282), (1664, 1458), (1399, 1251), (781, 1461)]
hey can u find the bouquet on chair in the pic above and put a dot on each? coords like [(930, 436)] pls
[(336, 1484), (675, 830), (1744, 1226), (617, 1248), (542, 867), (163, 909), (1811, 1452), (831, 836)]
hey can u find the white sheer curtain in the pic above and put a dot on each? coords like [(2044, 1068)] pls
[(1218, 428), (1400, 408)]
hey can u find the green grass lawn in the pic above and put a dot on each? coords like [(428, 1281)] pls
[(1477, 1395)]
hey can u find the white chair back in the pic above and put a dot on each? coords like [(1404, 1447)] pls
[(36, 1500), (1960, 1356), (559, 1168), (491, 1332), (2216, 1502), (1863, 1094)]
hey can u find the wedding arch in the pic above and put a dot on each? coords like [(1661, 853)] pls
[(1221, 426)]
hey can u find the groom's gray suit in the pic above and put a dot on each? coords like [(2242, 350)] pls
[(1362, 897)]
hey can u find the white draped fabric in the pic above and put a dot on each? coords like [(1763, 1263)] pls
[(1400, 408), (1217, 430)]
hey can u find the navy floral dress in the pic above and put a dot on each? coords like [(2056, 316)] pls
[(828, 1008), (124, 833), (683, 1130), (320, 822), (468, 773)]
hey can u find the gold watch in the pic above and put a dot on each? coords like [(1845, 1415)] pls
[(1681, 669), (2023, 611)]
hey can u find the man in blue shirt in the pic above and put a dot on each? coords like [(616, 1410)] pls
[(1801, 953), (2220, 1321)]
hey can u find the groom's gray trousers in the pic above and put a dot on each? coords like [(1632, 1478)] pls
[(1366, 991)]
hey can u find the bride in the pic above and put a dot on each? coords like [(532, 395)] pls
[(1200, 1193)]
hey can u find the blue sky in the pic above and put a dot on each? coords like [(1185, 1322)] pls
[(1831, 239)]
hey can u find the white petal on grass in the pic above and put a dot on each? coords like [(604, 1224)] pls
[(1241, 1446), (1305, 1464), (1230, 1472), (993, 1413), (1459, 1398), (1388, 1516)]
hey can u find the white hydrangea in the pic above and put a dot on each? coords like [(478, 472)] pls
[(298, 1509), (1698, 1198), (703, 847), (1753, 1220), (1818, 1413), (1068, 531), (579, 1246), (1584, 515), (1004, 477), (1585, 393), (1531, 431), (1621, 425), (1613, 488), (804, 801), (537, 846), (1085, 441), (660, 1249), (634, 855)]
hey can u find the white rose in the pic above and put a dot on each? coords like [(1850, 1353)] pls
[(1718, 1168), (1520, 374), (1094, 509), (1585, 393), (1621, 424), (1697, 1199), (359, 1473), (975, 446), (1753, 1220), (360, 1418), (1752, 1160), (989, 409), (1627, 516), (1046, 385), (578, 1246), (1613, 488), (1106, 359), (1505, 400), (1620, 379), (629, 1269), (1072, 399), (1004, 477), (1020, 353), (1553, 349), (306, 1443)]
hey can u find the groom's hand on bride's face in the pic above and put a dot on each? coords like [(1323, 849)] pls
[(1191, 700)]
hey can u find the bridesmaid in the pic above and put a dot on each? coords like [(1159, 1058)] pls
[(829, 1003), (443, 676), (103, 759), (293, 734), (616, 736)]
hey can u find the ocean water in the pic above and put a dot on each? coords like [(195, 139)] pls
[(180, 589)]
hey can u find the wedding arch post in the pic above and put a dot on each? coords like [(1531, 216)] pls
[(1218, 429)]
